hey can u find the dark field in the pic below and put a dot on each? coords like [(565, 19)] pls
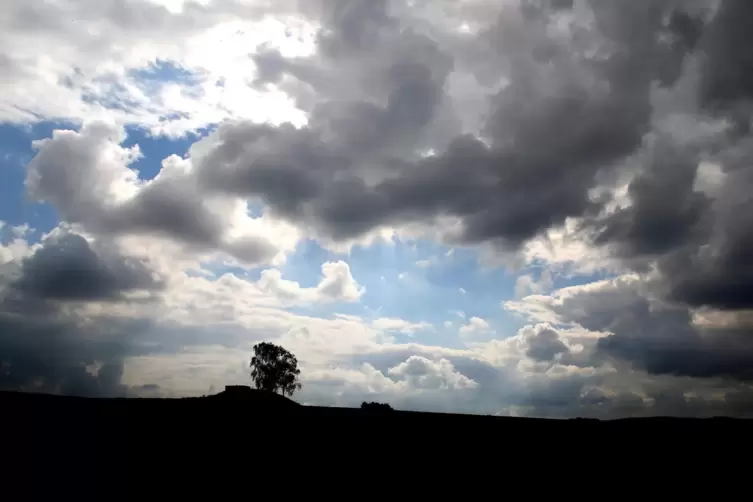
[(154, 417), (138, 438)]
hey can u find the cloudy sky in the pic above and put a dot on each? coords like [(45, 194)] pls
[(516, 207)]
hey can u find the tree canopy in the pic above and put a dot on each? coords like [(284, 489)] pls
[(374, 406), (274, 369)]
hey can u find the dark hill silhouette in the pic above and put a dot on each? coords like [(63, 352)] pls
[(231, 405), (247, 395), (140, 440)]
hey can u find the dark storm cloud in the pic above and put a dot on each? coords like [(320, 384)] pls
[(572, 105), (67, 268), (544, 345), (700, 246), (700, 243), (665, 210), (162, 208), (49, 344), (687, 353), (57, 353), (716, 271), (352, 26), (46, 347), (657, 337), (563, 119), (728, 66)]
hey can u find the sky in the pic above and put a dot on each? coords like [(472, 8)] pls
[(507, 207)]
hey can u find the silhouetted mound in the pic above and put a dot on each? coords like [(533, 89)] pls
[(376, 407), (116, 446), (244, 394)]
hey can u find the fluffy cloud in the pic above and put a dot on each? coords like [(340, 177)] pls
[(352, 168), (543, 343), (93, 59), (640, 329), (526, 284), (419, 372), (475, 325), (559, 111), (76, 313), (337, 284), (170, 345), (117, 202)]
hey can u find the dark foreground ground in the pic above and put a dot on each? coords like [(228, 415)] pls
[(146, 440)]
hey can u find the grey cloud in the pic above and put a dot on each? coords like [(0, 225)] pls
[(543, 393), (716, 272), (561, 122), (85, 175), (67, 268), (363, 51), (66, 163), (698, 242), (543, 343), (58, 354), (270, 66), (47, 347), (689, 354), (170, 209), (353, 26), (322, 175), (684, 31), (656, 222), (728, 65), (657, 337)]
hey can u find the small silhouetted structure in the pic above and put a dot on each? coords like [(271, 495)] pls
[(238, 391), (376, 407), (245, 394)]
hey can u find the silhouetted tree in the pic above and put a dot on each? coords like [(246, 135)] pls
[(274, 369), (373, 406)]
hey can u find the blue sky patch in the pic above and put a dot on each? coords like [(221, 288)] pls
[(161, 72), (154, 149), (16, 208)]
